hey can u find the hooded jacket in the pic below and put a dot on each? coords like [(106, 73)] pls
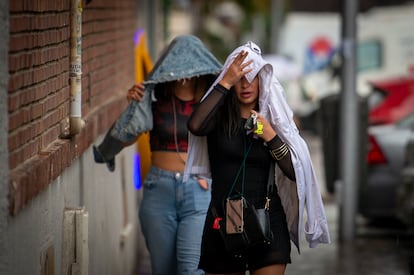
[(185, 57), (297, 197)]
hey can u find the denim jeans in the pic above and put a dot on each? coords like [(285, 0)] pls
[(172, 215)]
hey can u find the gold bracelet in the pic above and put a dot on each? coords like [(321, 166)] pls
[(280, 149), (280, 152)]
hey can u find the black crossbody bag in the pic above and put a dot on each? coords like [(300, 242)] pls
[(245, 226)]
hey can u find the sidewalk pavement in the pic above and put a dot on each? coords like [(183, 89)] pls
[(375, 251)]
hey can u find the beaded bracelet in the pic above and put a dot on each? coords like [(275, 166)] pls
[(221, 89)]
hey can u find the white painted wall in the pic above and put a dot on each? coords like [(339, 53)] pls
[(84, 183)]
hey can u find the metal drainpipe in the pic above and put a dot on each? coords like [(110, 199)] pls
[(75, 82)]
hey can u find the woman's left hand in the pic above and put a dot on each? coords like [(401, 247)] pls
[(263, 128), (136, 92), (236, 71)]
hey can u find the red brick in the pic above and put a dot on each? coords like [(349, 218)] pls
[(39, 92)]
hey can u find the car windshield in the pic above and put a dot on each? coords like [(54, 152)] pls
[(375, 98), (407, 122)]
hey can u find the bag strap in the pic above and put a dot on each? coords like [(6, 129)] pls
[(242, 167), (270, 180), (270, 185)]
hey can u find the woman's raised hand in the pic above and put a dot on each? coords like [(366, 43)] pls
[(236, 70), (136, 92)]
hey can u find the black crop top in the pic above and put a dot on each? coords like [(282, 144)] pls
[(162, 134)]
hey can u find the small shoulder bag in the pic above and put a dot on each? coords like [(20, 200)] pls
[(245, 226)]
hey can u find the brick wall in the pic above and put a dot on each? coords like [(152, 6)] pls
[(38, 90)]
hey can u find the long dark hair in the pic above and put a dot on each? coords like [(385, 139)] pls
[(229, 116)]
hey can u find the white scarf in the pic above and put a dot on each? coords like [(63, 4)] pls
[(294, 195)]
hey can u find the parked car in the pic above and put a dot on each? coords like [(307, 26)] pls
[(391, 99), (405, 191), (385, 162)]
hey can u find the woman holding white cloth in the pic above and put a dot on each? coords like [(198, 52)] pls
[(247, 86)]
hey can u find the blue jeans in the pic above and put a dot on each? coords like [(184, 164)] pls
[(172, 215)]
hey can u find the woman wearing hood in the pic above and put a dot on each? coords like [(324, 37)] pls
[(172, 212), (221, 145)]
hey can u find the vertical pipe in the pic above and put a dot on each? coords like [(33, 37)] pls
[(151, 26), (349, 123), (75, 81), (276, 19), (5, 246)]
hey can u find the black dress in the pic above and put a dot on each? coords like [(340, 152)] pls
[(226, 155)]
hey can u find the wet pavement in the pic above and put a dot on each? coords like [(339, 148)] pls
[(382, 248), (385, 248), (378, 249)]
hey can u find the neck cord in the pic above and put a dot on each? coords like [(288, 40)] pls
[(242, 168), (175, 130)]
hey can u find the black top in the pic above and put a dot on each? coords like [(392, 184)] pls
[(226, 155), (226, 152)]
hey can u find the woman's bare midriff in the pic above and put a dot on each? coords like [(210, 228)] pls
[(169, 161)]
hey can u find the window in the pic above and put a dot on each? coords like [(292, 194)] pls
[(369, 55)]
